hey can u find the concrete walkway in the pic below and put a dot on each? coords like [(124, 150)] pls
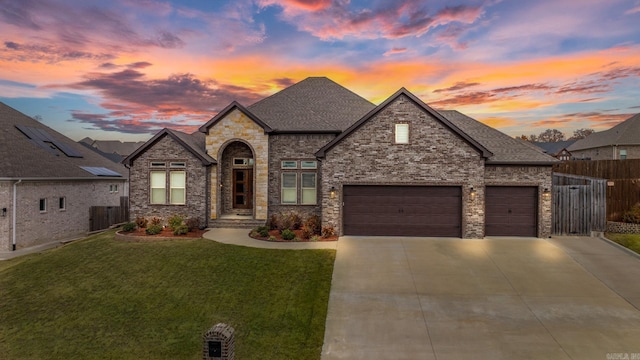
[(241, 237), (424, 298)]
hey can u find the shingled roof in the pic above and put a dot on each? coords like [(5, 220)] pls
[(505, 149), (47, 154), (194, 143), (315, 104), (625, 133)]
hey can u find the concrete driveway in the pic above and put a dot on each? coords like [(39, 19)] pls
[(424, 298)]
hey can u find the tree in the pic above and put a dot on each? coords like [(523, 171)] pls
[(581, 134), (551, 135)]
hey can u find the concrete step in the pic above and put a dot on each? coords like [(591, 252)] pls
[(236, 223)]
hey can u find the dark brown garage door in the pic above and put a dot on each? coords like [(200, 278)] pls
[(511, 211), (402, 210)]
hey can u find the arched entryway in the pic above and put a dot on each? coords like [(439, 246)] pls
[(237, 180)]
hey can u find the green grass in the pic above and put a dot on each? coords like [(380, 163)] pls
[(631, 241), (103, 299)]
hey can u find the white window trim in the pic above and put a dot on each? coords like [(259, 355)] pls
[(157, 164), (314, 164), (164, 173), (42, 201), (178, 164), (398, 133), (172, 188)]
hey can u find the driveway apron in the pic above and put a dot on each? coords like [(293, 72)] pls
[(500, 298)]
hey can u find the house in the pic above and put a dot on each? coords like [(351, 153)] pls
[(114, 150), (618, 143), (316, 148), (48, 182), (556, 149)]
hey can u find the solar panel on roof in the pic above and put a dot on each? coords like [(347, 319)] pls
[(100, 171), (42, 138)]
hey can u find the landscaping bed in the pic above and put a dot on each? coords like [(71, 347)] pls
[(140, 235), (276, 236)]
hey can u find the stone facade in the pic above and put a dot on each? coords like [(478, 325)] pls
[(168, 150), (294, 147), (539, 176), (34, 227), (433, 156), (236, 126), (607, 152)]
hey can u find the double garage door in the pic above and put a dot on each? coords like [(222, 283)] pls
[(435, 211)]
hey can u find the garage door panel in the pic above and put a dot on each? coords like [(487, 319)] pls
[(511, 211), (402, 210)]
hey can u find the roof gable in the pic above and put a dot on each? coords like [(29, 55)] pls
[(231, 107), (194, 143), (625, 133), (404, 92), (315, 104), (36, 151)]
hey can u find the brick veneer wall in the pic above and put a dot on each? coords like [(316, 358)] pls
[(540, 176), (167, 150), (294, 147), (236, 126), (434, 156), (6, 197), (34, 227)]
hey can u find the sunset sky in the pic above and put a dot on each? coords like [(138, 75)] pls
[(124, 69)]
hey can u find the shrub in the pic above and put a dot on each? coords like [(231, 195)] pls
[(193, 223), (314, 224), (295, 220), (180, 230), (156, 221), (154, 229), (274, 221), (288, 234), (263, 231), (632, 216), (315, 238), (306, 232), (272, 238), (141, 222), (175, 221), (328, 231), (284, 222), (129, 227)]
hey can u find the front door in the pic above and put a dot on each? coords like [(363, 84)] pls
[(242, 188)]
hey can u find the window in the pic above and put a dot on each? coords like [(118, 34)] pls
[(113, 188), (309, 189), (158, 164), (289, 164), (308, 164), (242, 161), (178, 185), (62, 203), (402, 133), (623, 154), (178, 164), (289, 188), (158, 187), (43, 205)]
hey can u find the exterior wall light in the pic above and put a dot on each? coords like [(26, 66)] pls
[(472, 193), (546, 194), (332, 192)]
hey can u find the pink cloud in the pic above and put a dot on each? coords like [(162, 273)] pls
[(395, 51)]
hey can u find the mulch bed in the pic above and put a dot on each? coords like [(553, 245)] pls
[(276, 234), (166, 234)]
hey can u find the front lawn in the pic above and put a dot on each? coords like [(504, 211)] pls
[(103, 299), (631, 241)]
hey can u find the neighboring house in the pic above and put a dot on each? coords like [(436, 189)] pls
[(48, 182), (399, 168), (556, 149), (113, 149), (618, 143)]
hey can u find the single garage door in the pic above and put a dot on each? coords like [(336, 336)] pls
[(402, 210), (511, 211)]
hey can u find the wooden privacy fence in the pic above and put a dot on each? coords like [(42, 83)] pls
[(579, 204), (102, 217), (623, 178)]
